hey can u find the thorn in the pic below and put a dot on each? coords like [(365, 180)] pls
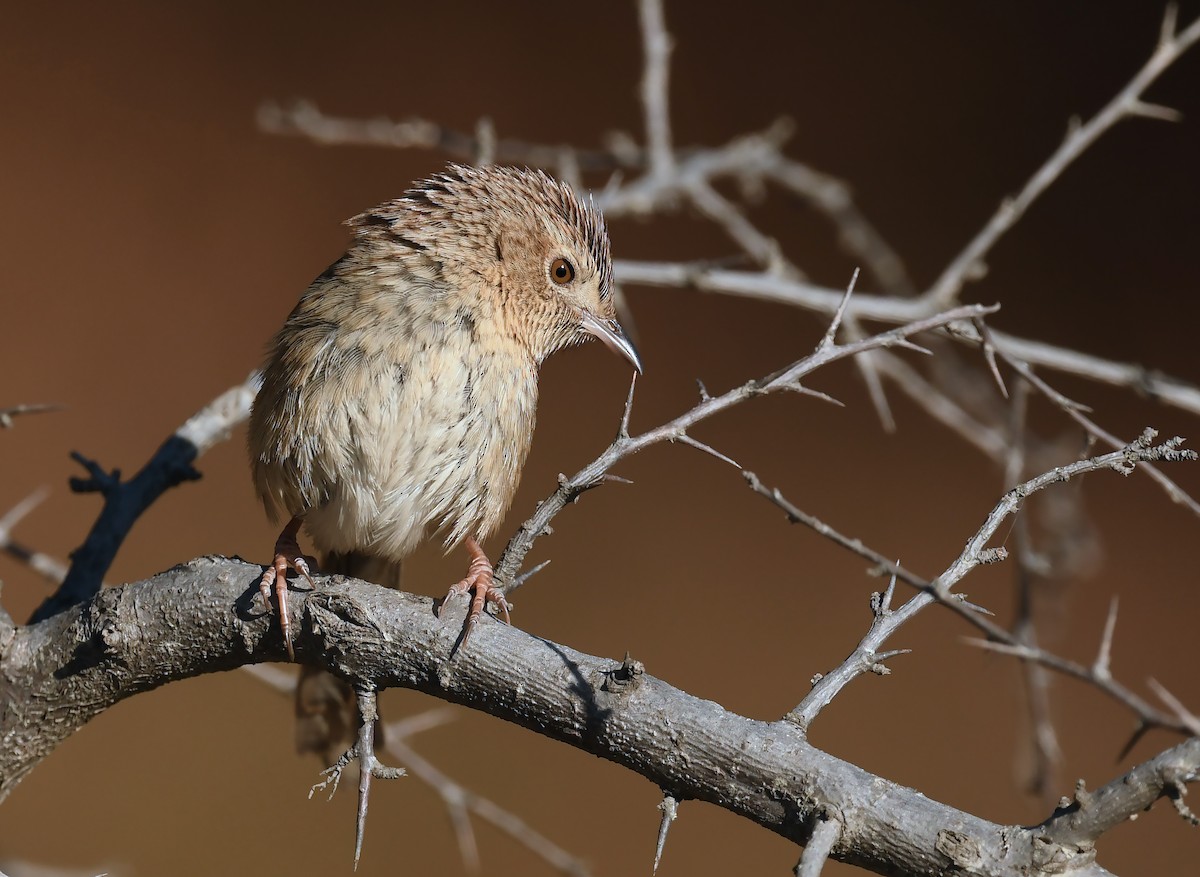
[(912, 345), (1153, 111), (816, 394), (614, 479), (704, 396), (881, 604), (891, 590), (974, 607), (989, 353), (670, 810), (836, 323), (623, 430), (528, 574), (866, 366), (701, 446), (1017, 651), (1138, 733), (1101, 667)]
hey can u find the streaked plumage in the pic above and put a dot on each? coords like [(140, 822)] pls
[(399, 397)]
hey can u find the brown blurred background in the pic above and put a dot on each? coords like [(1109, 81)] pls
[(155, 239)]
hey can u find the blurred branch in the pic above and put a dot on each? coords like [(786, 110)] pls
[(50, 568), (887, 309), (124, 501), (7, 414), (458, 800), (969, 264), (656, 43)]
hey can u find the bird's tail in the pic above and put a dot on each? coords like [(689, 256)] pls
[(326, 712)]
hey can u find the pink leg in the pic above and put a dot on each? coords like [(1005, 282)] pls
[(480, 580), (287, 554)]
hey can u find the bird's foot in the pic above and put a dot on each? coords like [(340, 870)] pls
[(287, 555), (480, 579)]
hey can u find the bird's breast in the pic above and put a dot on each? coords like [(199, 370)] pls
[(431, 430)]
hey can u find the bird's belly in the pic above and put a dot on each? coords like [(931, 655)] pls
[(441, 450)]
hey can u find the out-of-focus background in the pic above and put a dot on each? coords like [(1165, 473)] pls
[(154, 239)]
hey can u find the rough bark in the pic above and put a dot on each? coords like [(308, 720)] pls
[(205, 616)]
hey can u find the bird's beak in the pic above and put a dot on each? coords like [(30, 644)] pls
[(613, 336)]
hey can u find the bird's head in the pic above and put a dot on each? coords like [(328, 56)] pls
[(538, 253)]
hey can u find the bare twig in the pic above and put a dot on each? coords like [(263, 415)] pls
[(7, 414), (825, 834), (50, 568), (715, 206), (969, 264), (1101, 667), (1044, 739), (939, 590), (656, 43), (457, 799), (369, 767), (1075, 411)]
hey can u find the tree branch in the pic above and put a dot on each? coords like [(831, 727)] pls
[(124, 501), (59, 674)]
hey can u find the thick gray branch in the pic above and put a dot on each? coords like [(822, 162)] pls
[(204, 617)]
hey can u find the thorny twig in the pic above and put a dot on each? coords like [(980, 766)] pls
[(939, 590), (969, 264), (787, 378), (458, 799)]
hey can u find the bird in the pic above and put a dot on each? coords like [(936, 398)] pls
[(398, 400)]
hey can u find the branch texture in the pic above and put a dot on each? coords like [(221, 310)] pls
[(60, 673)]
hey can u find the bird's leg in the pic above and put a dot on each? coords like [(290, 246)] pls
[(287, 554), (480, 578)]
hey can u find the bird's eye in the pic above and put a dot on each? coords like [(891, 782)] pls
[(562, 271)]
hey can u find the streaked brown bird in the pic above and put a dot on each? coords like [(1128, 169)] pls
[(399, 396)]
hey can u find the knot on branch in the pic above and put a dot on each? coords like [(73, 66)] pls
[(98, 480), (99, 634), (961, 849), (1052, 857), (624, 677), (337, 622)]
